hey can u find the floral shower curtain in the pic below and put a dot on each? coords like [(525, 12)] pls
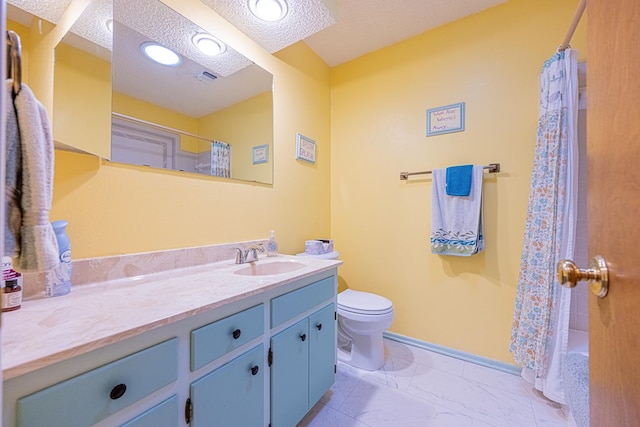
[(220, 159), (540, 328)]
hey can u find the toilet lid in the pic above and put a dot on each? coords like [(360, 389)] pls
[(363, 302)]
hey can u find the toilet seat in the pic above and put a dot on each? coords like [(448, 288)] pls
[(365, 312), (358, 302)]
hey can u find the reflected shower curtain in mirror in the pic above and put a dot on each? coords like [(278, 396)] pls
[(540, 328), (220, 159)]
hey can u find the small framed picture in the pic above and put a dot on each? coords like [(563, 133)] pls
[(260, 154), (446, 119), (305, 149)]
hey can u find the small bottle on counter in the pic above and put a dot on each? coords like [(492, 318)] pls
[(59, 278), (12, 286), (272, 245)]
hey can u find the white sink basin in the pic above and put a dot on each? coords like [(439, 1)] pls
[(269, 268)]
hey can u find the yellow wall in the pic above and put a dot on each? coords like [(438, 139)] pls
[(380, 224), (82, 100), (115, 209), (143, 110), (134, 107), (245, 125)]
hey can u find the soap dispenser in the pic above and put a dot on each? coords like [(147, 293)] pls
[(272, 245)]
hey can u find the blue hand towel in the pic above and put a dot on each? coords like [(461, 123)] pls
[(459, 180)]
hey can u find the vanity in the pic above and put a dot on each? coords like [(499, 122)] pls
[(200, 343)]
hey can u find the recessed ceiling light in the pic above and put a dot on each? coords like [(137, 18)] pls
[(160, 54), (208, 44), (269, 10)]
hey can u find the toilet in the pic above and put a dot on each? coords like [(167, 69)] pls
[(362, 318)]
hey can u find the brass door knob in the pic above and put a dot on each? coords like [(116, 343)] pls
[(597, 274)]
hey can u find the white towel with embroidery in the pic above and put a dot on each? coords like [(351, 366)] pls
[(29, 200), (456, 221)]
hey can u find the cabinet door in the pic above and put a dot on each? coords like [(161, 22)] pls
[(322, 352), (164, 414), (289, 375), (232, 395)]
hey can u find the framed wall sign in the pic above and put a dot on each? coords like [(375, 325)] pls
[(305, 148), (260, 154), (446, 119)]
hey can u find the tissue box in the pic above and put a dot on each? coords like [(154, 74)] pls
[(318, 246)]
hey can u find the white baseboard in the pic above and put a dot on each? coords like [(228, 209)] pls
[(468, 357)]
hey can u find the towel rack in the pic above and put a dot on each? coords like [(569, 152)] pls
[(491, 167), (14, 61)]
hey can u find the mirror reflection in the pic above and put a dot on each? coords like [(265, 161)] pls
[(82, 82), (210, 113), (208, 108)]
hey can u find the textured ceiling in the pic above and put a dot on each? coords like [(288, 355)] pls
[(304, 18), (177, 88), (337, 30), (158, 22), (367, 25), (92, 24), (49, 10)]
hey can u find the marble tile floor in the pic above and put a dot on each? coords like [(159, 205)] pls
[(420, 388)]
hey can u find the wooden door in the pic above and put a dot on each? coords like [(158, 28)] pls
[(613, 146)]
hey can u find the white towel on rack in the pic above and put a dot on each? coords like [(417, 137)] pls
[(456, 221), (31, 183)]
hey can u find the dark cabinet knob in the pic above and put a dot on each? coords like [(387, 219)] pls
[(319, 326), (255, 370), (303, 337), (118, 391), (236, 334)]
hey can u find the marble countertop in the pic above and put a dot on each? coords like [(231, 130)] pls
[(48, 330)]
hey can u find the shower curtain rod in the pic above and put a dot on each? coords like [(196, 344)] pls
[(574, 24), (157, 126), (491, 167)]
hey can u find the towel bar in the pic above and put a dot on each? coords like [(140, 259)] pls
[(491, 167)]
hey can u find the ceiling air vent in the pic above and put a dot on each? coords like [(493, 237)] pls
[(206, 77)]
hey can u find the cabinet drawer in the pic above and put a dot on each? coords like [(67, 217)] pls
[(292, 304), (218, 338), (94, 395), (164, 414)]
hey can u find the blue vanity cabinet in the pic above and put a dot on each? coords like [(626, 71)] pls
[(232, 395), (290, 375), (322, 352), (164, 414), (303, 355), (93, 396), (303, 366), (258, 361), (216, 339)]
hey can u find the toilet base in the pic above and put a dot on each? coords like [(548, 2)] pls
[(367, 352)]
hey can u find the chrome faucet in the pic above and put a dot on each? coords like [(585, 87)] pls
[(250, 255)]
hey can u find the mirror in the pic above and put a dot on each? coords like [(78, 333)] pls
[(82, 82), (181, 110), (80, 92), (211, 115)]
